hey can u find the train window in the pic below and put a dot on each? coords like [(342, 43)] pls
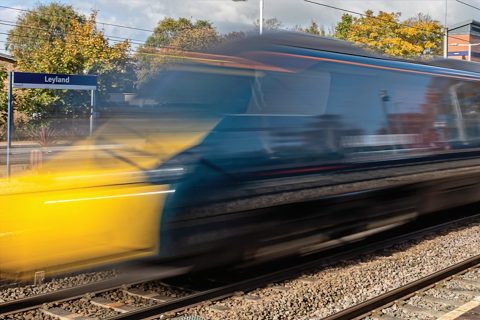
[(302, 93), (468, 95), (204, 91), (383, 110), (465, 99)]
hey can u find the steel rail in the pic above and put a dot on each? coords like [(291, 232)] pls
[(263, 280), (150, 274), (138, 276), (365, 308)]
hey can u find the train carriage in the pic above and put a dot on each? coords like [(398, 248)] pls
[(246, 152)]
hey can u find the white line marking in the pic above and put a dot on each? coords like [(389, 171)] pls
[(109, 197)]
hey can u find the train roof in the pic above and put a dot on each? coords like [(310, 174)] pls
[(308, 41), (455, 64), (300, 40)]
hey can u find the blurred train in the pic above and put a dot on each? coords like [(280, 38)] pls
[(256, 150)]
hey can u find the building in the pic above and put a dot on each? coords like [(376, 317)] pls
[(463, 37)]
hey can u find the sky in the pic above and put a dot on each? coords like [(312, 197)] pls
[(228, 15)]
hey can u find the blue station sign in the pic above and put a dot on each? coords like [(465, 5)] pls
[(54, 81)]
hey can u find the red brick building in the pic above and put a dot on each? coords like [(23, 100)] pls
[(460, 37)]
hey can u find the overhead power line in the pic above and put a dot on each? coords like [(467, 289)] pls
[(13, 24), (377, 18), (98, 22), (468, 5)]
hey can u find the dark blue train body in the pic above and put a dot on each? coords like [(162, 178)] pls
[(302, 123)]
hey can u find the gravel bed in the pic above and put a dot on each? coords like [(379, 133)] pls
[(20, 292), (29, 315), (85, 307), (396, 311), (421, 303), (462, 286), (472, 275), (161, 289), (345, 284), (447, 294), (119, 295)]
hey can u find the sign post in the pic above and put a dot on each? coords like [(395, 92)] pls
[(9, 121), (28, 80), (92, 110)]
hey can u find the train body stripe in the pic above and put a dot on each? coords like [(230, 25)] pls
[(373, 66)]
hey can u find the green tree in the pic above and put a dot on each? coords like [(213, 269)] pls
[(182, 34), (74, 48), (343, 27), (3, 94), (315, 29), (37, 27), (231, 36), (173, 34), (386, 33), (269, 24)]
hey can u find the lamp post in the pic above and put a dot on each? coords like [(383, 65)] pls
[(261, 14), (469, 45), (445, 34)]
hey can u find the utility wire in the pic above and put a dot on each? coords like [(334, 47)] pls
[(37, 37), (377, 18), (13, 24), (98, 22), (139, 42), (46, 38), (468, 5)]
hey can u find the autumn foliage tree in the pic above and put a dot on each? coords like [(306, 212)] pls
[(388, 34), (71, 44), (39, 26)]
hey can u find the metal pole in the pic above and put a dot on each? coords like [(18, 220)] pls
[(261, 16), (9, 121), (469, 52), (445, 34), (92, 110)]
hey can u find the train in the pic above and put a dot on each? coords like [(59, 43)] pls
[(265, 147)]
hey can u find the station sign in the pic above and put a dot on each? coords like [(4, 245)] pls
[(54, 81)]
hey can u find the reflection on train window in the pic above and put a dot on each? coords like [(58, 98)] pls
[(468, 95), (302, 93), (384, 100), (206, 92)]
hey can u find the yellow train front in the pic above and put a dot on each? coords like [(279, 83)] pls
[(89, 205), (235, 155)]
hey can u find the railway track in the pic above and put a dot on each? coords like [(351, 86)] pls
[(405, 300), (133, 297)]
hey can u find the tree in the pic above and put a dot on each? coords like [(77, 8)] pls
[(182, 34), (269, 24), (173, 34), (73, 48), (39, 26), (387, 34), (314, 29), (343, 27), (231, 36), (3, 94)]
